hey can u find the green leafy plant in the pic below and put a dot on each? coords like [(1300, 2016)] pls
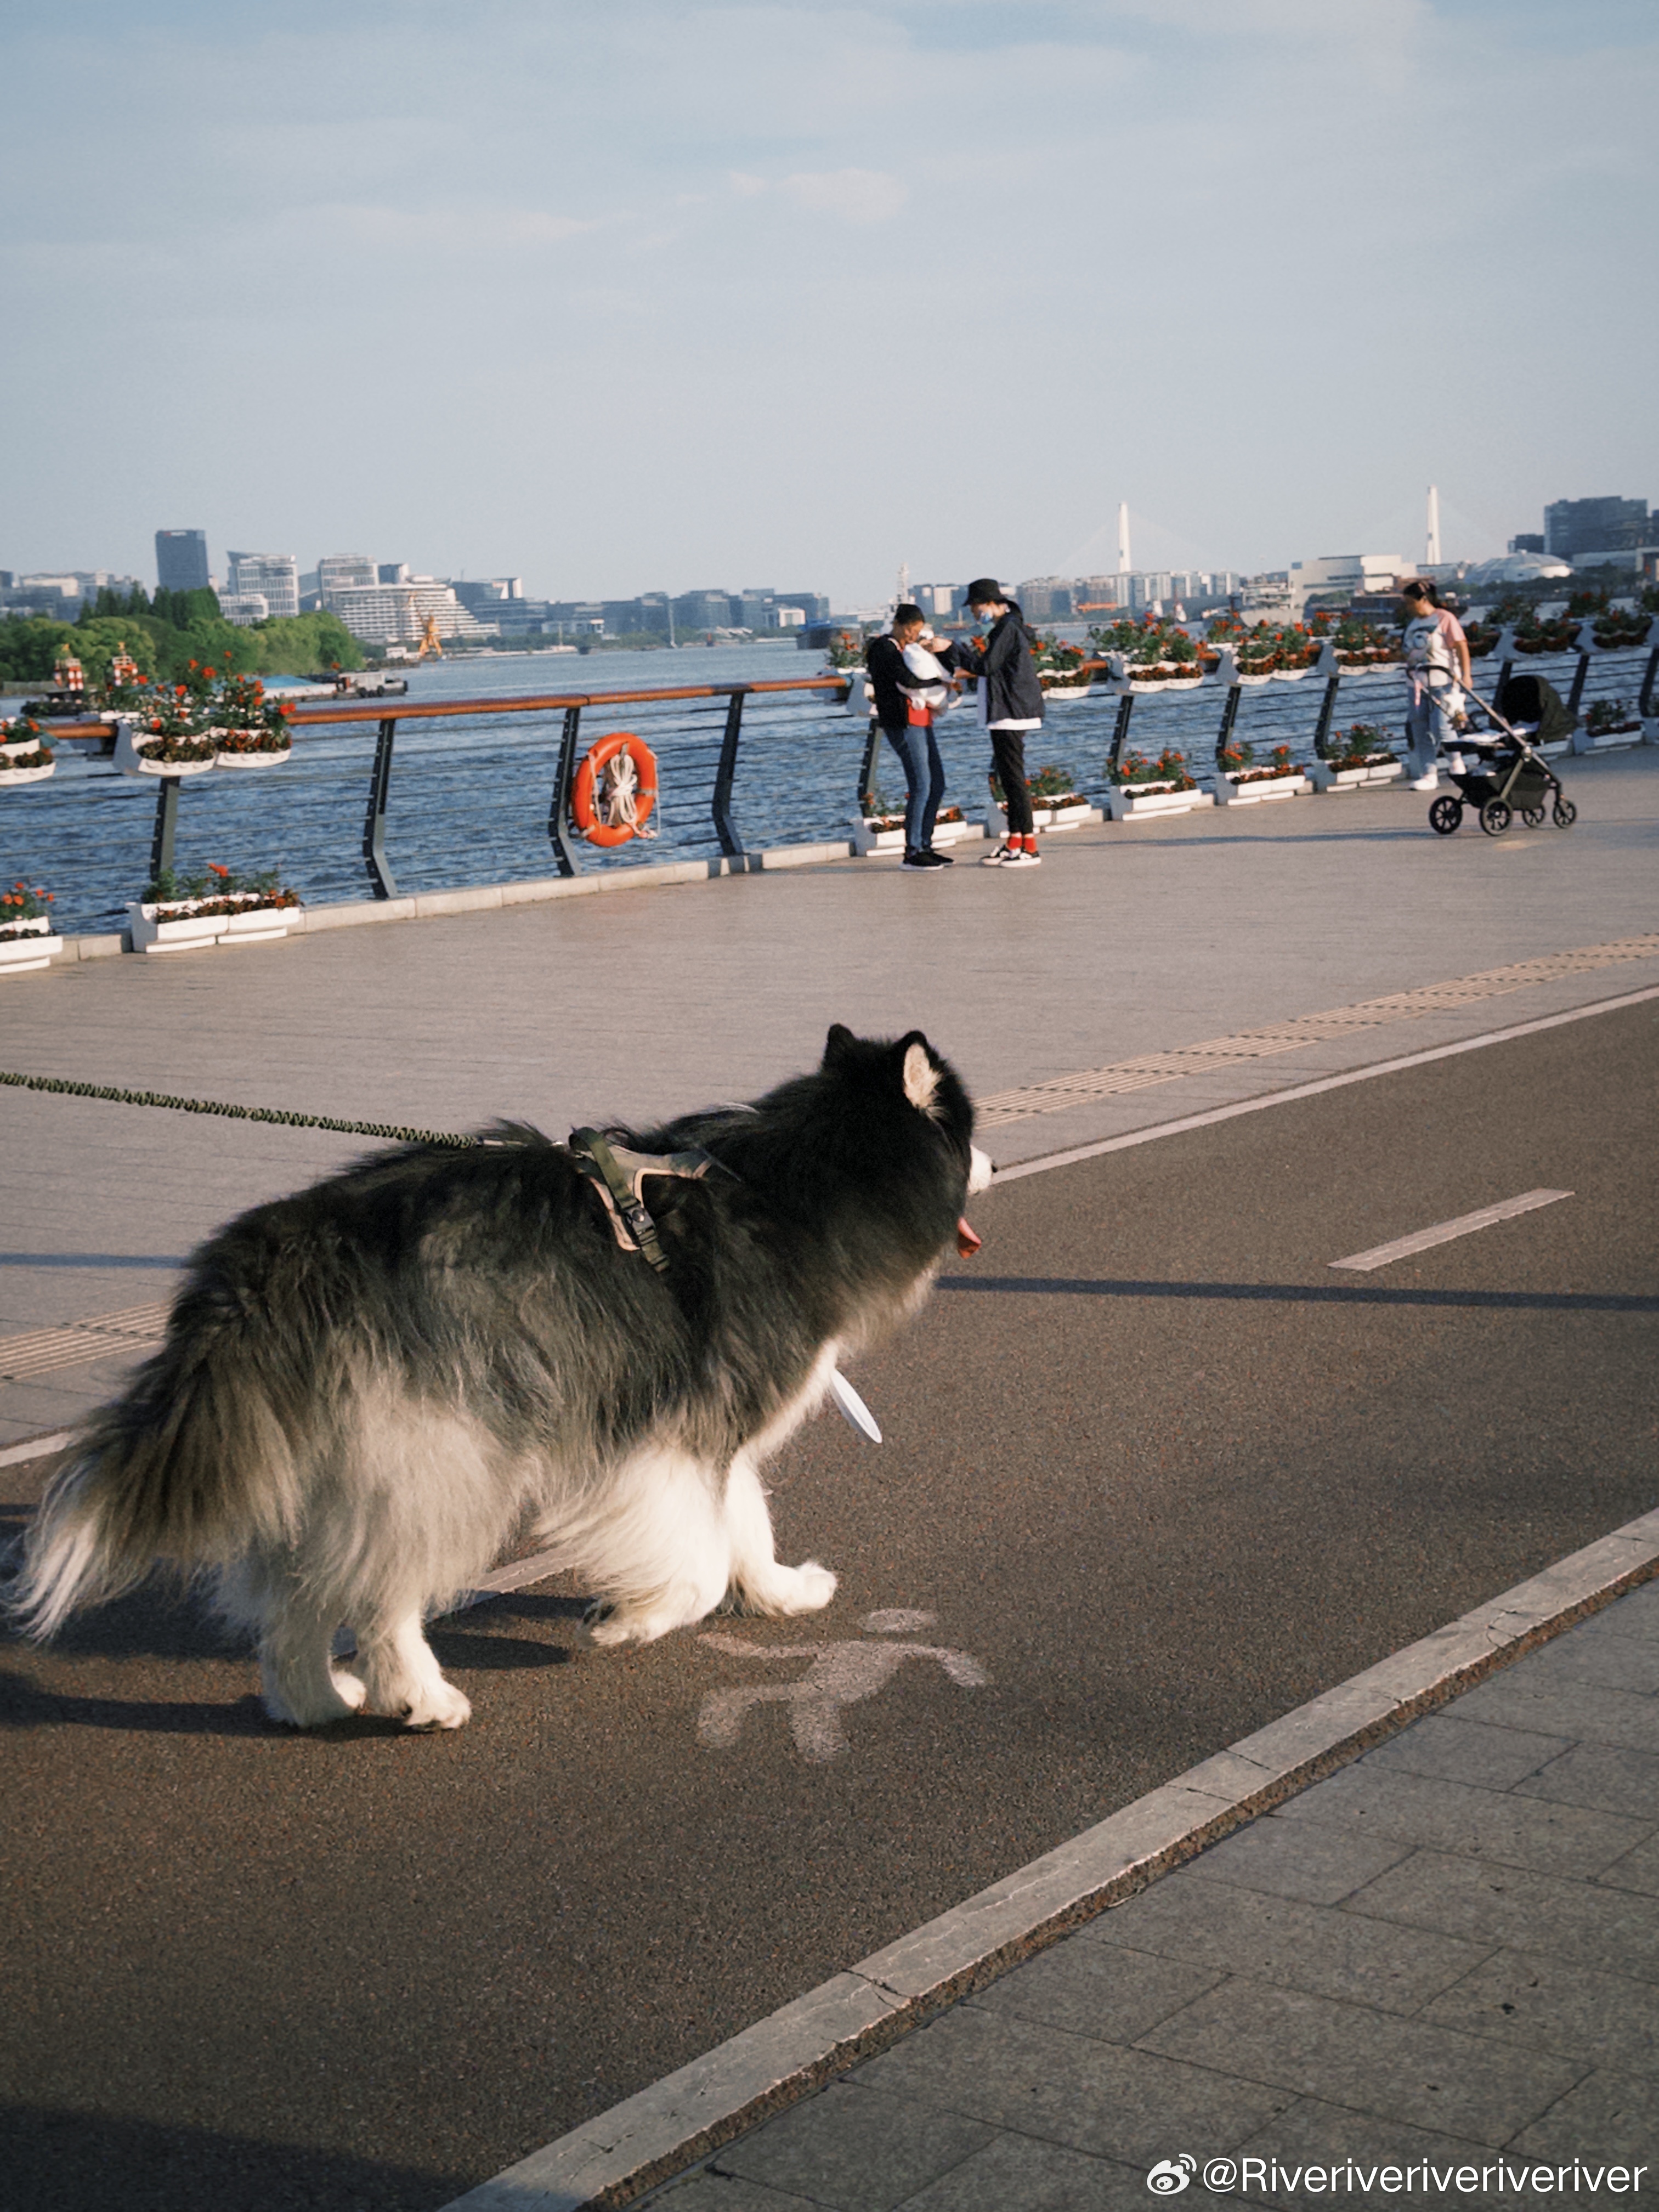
[(1169, 767), (1361, 744), (1607, 715), (216, 890), (22, 903)]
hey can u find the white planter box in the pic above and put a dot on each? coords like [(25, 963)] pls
[(1249, 683), (1292, 675), (34, 946), (1323, 777), (1067, 690), (1128, 803), (1228, 793), (130, 759), (1608, 741), (867, 840), (1043, 818), (11, 774), (253, 760), (195, 932)]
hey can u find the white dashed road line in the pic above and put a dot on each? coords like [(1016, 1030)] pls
[(1443, 1231)]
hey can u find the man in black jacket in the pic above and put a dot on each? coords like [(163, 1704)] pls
[(911, 738), (1010, 704)]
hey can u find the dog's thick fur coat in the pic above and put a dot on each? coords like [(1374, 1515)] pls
[(367, 1389)]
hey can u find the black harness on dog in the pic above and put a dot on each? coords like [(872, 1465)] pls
[(619, 1176)]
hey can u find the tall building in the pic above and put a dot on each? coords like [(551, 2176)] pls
[(182, 561), (708, 610), (1046, 599), (1595, 525), (815, 607), (396, 614), (273, 577), (340, 572)]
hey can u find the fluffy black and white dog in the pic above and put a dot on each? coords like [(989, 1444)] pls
[(366, 1390)]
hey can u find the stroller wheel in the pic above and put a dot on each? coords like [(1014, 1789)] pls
[(1495, 817), (1565, 814), (1445, 815), (1533, 817)]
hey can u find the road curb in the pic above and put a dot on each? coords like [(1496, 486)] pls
[(610, 2161)]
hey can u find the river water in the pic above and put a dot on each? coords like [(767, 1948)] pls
[(469, 799)]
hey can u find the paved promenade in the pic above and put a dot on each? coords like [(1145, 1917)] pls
[(1160, 1480), (1442, 1961)]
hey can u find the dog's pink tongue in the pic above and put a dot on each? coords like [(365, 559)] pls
[(967, 1241)]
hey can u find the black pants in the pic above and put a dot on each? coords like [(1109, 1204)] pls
[(1008, 758)]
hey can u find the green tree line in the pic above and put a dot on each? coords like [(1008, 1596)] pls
[(164, 633)]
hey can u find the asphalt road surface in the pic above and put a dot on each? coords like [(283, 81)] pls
[(1158, 1472)]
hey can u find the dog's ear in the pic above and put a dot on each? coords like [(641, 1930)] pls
[(921, 1076), (838, 1043)]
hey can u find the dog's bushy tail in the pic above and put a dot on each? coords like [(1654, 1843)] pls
[(191, 1466)]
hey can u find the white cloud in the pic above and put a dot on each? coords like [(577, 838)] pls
[(854, 195)]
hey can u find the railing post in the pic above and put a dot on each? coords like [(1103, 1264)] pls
[(1120, 735), (379, 869), (1229, 716), (567, 855), (167, 823), (725, 773), (1644, 699), (1576, 697), (1327, 716)]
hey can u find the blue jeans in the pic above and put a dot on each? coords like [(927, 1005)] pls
[(1428, 727), (924, 781)]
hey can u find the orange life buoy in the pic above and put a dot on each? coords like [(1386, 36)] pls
[(609, 816)]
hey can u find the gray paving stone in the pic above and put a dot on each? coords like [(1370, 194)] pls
[(1635, 1614), (1014, 2173), (1452, 1749), (1605, 1777), (1301, 1947), (1070, 2089), (1345, 2054), (1609, 2115), (1284, 1859), (706, 2191), (1091, 1989), (855, 2148), (1637, 1870), (1450, 1816), (1579, 1710), (1313, 2133), (1615, 1661), (1552, 2004), (1512, 1908)]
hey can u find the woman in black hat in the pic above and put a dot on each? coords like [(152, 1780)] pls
[(1010, 704)]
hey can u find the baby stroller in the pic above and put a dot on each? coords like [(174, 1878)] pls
[(1510, 778)]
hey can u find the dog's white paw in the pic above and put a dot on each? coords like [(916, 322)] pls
[(343, 1696), (806, 1589), (614, 1624), (442, 1706)]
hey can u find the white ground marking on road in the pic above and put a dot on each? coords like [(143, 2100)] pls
[(1208, 1119), (841, 1675), (1064, 1091), (894, 1620), (1442, 1232), (37, 1448)]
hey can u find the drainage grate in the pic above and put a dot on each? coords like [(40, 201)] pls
[(1064, 1091), (39, 1351)]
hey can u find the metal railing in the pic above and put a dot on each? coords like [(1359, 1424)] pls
[(774, 750), (569, 707)]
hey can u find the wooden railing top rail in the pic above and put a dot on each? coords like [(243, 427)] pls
[(514, 702)]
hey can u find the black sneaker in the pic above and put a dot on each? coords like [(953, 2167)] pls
[(937, 860), (919, 859)]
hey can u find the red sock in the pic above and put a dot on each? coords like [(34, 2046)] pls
[(1030, 844)]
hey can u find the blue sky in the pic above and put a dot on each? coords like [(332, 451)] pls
[(663, 294)]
